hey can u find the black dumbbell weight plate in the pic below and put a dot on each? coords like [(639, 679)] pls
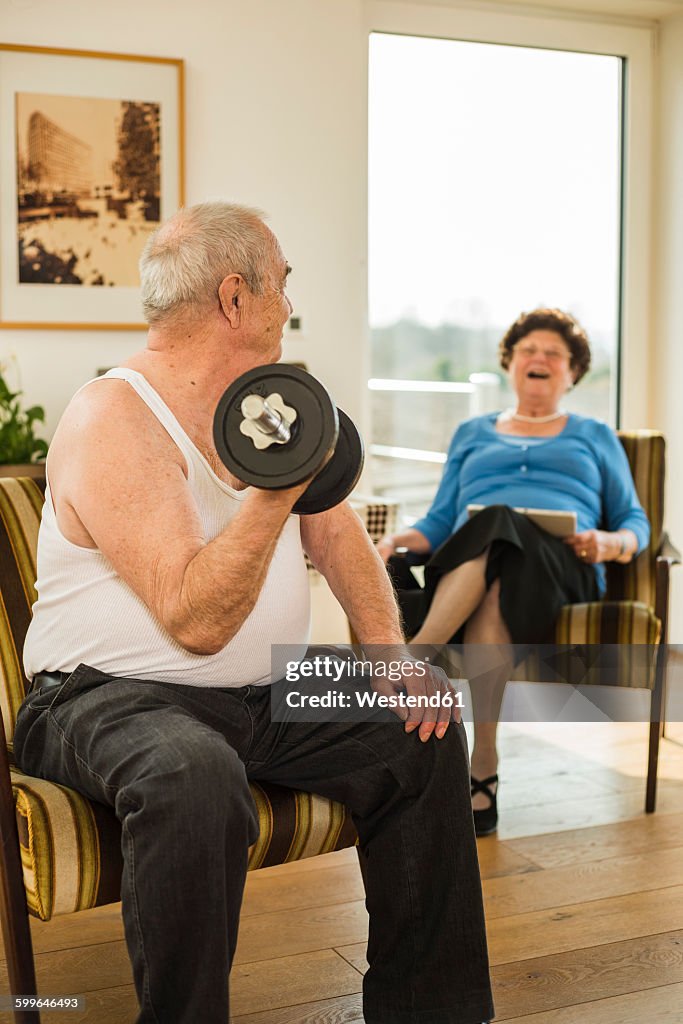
[(339, 476), (313, 432)]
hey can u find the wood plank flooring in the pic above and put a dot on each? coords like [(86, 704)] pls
[(583, 893)]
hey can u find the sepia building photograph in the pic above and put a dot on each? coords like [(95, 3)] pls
[(89, 178)]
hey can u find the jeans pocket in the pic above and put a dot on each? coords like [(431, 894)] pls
[(30, 733), (47, 697), (42, 699)]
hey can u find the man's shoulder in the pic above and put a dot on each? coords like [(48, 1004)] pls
[(109, 417), (109, 403)]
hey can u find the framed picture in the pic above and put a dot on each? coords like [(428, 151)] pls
[(91, 160)]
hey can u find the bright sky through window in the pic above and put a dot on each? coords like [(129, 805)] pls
[(493, 182)]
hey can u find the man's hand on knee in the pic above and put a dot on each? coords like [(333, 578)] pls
[(420, 693)]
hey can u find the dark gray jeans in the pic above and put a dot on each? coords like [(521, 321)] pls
[(174, 763)]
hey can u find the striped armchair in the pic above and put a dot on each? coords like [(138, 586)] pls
[(61, 852), (635, 608), (636, 604)]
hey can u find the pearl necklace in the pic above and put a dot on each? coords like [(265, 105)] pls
[(511, 414)]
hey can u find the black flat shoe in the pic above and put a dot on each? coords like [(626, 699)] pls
[(486, 820)]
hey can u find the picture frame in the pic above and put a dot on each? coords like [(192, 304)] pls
[(91, 161)]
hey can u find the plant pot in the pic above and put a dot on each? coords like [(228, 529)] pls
[(36, 470)]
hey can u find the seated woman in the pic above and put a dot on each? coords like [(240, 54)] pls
[(497, 578)]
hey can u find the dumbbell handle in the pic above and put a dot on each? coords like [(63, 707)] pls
[(276, 427), (267, 419)]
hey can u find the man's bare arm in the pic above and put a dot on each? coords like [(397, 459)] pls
[(339, 546), (119, 479)]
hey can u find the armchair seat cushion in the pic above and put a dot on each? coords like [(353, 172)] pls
[(631, 631), (608, 622), (71, 846)]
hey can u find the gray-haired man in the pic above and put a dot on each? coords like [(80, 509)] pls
[(163, 582)]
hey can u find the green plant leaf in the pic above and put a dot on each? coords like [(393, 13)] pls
[(35, 413), (18, 442)]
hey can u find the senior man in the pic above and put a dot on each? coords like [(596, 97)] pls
[(162, 583)]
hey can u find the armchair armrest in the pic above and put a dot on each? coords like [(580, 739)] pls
[(667, 556), (15, 928), (412, 557), (668, 552)]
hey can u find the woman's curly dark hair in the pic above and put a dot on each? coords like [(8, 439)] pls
[(564, 324)]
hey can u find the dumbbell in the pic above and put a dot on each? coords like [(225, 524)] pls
[(276, 426)]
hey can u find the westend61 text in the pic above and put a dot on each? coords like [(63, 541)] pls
[(370, 699)]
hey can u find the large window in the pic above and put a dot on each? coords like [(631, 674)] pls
[(494, 187)]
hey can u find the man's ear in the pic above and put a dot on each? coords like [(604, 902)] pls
[(231, 296)]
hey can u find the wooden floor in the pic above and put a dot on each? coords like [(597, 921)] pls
[(584, 899)]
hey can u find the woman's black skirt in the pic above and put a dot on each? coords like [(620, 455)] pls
[(538, 574)]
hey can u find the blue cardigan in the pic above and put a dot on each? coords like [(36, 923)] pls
[(584, 469)]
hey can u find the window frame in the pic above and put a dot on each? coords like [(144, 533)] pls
[(558, 31)]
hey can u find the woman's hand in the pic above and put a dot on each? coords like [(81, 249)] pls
[(593, 546), (386, 548), (408, 540)]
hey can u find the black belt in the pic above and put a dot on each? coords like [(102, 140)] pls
[(45, 681)]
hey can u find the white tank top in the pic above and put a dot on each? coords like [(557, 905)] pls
[(86, 613)]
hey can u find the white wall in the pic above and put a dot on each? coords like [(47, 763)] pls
[(275, 118), (667, 334)]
